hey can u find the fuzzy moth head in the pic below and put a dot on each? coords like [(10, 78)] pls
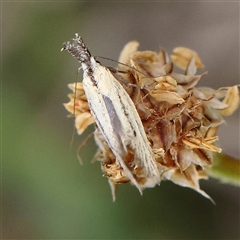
[(78, 50)]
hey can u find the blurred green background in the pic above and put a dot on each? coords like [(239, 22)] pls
[(46, 193)]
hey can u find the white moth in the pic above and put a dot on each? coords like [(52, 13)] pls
[(115, 115)]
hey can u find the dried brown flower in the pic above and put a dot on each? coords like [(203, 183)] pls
[(180, 120)]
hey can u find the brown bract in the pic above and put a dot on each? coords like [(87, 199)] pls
[(180, 120), (78, 107)]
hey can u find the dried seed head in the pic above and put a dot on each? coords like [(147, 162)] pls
[(179, 119)]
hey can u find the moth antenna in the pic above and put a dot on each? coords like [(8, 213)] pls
[(122, 79), (124, 64), (79, 51), (74, 107)]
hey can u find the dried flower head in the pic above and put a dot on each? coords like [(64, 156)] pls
[(179, 119)]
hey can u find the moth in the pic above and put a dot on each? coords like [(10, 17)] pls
[(115, 115)]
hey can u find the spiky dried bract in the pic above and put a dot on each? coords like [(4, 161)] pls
[(179, 119)]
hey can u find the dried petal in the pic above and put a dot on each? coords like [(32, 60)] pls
[(77, 88), (187, 81), (149, 63), (182, 56), (170, 97), (82, 121), (231, 100), (189, 178), (128, 50)]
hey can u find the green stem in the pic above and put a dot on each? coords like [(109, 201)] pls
[(226, 169)]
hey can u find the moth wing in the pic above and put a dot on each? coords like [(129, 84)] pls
[(106, 118), (132, 132)]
